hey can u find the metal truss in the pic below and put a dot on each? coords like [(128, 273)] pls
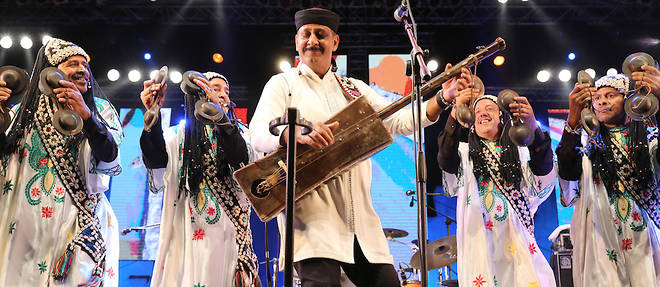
[(353, 12)]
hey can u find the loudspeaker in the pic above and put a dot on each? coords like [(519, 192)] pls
[(562, 266)]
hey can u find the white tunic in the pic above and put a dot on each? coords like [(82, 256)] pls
[(615, 244), (38, 217), (328, 219), (494, 247), (197, 245)]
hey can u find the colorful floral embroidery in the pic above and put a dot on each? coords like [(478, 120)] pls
[(512, 249), (534, 284), (46, 212), (532, 248), (493, 200), (489, 225), (198, 234), (12, 227), (626, 244), (110, 273), (199, 285), (42, 267), (479, 281), (611, 255), (8, 187)]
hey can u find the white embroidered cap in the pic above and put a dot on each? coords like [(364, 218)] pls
[(58, 50), (490, 97), (212, 75), (619, 82)]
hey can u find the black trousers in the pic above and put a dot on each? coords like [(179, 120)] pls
[(324, 272)]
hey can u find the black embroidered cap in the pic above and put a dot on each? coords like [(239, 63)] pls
[(317, 16)]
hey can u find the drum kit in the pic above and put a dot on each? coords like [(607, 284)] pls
[(441, 253)]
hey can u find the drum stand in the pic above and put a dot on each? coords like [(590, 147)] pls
[(291, 120)]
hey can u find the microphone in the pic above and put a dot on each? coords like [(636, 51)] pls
[(144, 227), (411, 193), (401, 12)]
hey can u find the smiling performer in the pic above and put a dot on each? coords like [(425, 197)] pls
[(56, 225), (613, 185), (335, 225), (499, 187)]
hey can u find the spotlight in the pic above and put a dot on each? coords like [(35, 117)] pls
[(153, 73), (285, 65), (432, 65), (217, 57), (571, 56), (611, 72), (147, 56), (176, 77), (6, 42), (564, 75), (498, 61), (543, 76), (591, 72), (113, 75), (26, 42), (45, 39), (502, 1), (134, 76)]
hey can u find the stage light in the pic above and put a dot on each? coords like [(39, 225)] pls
[(611, 72), (432, 65), (26, 42), (176, 77), (591, 72), (6, 42), (285, 65), (147, 56), (543, 76), (502, 1), (134, 76), (571, 56), (539, 123), (153, 74), (218, 58), (113, 75), (45, 39), (498, 61), (564, 75)]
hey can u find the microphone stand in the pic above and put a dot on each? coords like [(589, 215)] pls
[(419, 73), (291, 120)]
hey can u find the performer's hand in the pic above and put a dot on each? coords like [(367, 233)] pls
[(523, 110), (462, 98), (68, 94), (5, 92), (211, 94), (461, 82), (149, 92), (578, 100), (320, 137), (649, 78)]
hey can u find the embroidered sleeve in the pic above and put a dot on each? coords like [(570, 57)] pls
[(453, 183), (111, 122), (537, 187)]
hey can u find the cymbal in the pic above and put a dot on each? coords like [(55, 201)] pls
[(439, 253), (394, 233)]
